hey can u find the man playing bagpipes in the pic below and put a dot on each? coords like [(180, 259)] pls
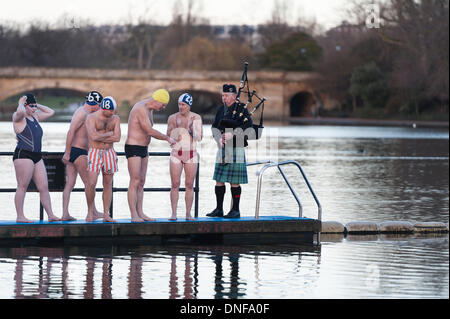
[(229, 132), (231, 129)]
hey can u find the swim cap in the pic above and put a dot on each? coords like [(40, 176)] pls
[(93, 98), (30, 99), (186, 98), (108, 103), (161, 95)]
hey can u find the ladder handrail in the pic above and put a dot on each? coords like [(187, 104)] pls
[(270, 163)]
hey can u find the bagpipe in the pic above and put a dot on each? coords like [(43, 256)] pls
[(241, 115)]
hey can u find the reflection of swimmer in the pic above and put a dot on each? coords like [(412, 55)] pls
[(173, 287), (187, 279), (106, 278), (135, 279), (18, 279), (186, 128), (89, 288)]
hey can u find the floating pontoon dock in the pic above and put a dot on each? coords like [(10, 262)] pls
[(245, 230)]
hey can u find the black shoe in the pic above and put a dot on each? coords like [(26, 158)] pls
[(216, 213), (233, 214)]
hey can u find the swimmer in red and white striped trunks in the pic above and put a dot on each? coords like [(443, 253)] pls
[(101, 160), (103, 129)]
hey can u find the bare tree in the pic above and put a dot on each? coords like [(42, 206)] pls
[(277, 27)]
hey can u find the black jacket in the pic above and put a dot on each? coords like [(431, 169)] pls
[(224, 121)]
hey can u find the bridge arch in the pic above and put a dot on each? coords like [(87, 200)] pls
[(301, 104), (40, 86)]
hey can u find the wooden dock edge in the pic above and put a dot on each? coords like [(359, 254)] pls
[(156, 233)]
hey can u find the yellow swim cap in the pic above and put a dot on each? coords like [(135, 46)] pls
[(161, 95)]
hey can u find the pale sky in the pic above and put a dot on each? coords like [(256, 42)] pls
[(329, 13)]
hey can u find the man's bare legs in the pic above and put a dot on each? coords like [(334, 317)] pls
[(81, 165), (72, 170), (140, 193), (90, 194), (137, 168), (107, 196), (190, 170), (176, 168), (134, 170), (71, 178)]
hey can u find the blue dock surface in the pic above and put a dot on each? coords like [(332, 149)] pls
[(264, 230)]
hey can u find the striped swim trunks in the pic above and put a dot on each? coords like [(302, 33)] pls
[(99, 159)]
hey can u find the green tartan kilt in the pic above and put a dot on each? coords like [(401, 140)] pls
[(234, 172)]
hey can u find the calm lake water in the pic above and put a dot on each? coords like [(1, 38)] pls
[(358, 174)]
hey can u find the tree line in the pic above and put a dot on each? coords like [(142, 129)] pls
[(399, 69)]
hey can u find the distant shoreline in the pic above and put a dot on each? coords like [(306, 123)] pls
[(161, 119), (365, 122)]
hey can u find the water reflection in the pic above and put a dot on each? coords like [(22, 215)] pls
[(190, 283), (89, 273), (398, 266), (233, 291)]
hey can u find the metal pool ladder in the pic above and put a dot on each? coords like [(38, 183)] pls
[(270, 163)]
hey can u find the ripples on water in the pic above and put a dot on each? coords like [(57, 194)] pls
[(357, 173), (396, 267)]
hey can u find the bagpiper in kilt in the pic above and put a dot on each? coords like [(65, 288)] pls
[(235, 169), (230, 164)]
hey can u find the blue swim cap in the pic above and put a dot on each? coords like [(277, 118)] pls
[(108, 103), (93, 98), (186, 98)]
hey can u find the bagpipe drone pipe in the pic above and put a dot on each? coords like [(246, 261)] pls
[(241, 116)]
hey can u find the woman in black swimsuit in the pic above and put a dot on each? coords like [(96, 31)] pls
[(27, 157)]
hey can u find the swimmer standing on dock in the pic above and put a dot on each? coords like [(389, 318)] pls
[(186, 128), (140, 132), (27, 158), (103, 128), (77, 146)]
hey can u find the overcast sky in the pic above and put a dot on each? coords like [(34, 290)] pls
[(328, 13)]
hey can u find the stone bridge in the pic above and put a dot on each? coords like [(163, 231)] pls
[(287, 93)]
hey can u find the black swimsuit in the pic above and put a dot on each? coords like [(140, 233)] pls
[(20, 153), (136, 150), (76, 152), (29, 142)]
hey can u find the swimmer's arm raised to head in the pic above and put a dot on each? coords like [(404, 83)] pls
[(21, 112), (92, 131), (44, 112)]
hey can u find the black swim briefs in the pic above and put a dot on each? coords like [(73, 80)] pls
[(136, 150), (76, 152), (21, 153)]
